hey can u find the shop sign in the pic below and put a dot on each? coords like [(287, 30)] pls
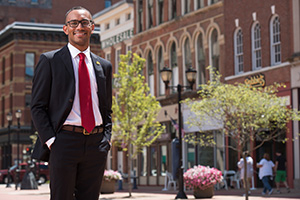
[(257, 80), (117, 38)]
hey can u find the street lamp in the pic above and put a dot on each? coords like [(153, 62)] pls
[(166, 75), (18, 116), (9, 119)]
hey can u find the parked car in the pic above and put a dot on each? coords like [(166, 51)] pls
[(41, 171)]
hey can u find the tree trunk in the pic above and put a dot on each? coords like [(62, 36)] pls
[(245, 178), (129, 169)]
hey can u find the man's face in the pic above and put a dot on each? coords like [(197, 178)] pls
[(79, 36)]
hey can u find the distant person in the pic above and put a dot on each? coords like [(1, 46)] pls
[(266, 173), (280, 168), (241, 165)]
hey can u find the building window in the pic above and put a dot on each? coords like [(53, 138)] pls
[(187, 59), (34, 1), (117, 21), (238, 51), (199, 4), (163, 160), (108, 56), (172, 9), (160, 66), (160, 11), (29, 65), (11, 66), (256, 47), (153, 161), (118, 53), (107, 3), (186, 6), (201, 79), (27, 100), (140, 16), (150, 14), (128, 16), (3, 71), (143, 158), (215, 50), (213, 2), (107, 26), (174, 66), (150, 73), (275, 41)]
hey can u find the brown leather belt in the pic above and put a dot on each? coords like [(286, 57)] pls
[(79, 129)]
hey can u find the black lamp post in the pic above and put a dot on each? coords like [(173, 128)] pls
[(9, 119), (166, 75), (18, 116)]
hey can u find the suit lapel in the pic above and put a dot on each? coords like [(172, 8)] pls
[(66, 59)]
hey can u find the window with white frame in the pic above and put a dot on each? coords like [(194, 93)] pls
[(214, 51), (118, 53), (150, 72), (128, 16), (160, 5), (198, 4), (210, 2), (187, 58), (201, 79), (256, 46), (172, 9), (150, 14), (185, 6), (107, 26), (117, 21), (140, 16), (160, 66), (275, 41), (108, 56), (238, 51), (174, 66)]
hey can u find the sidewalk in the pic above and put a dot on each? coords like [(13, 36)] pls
[(146, 193)]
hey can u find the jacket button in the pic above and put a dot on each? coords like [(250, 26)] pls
[(70, 100)]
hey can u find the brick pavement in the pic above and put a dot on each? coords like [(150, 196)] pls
[(146, 193)]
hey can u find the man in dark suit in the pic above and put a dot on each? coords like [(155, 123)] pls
[(71, 110)]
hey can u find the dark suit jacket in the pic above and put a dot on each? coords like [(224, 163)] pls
[(53, 92)]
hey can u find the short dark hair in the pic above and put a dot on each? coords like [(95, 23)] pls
[(77, 8)]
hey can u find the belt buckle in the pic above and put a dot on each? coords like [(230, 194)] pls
[(85, 132)]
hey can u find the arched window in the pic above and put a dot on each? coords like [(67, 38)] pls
[(201, 79), (256, 46), (174, 66), (215, 50), (187, 59), (275, 41), (238, 52), (150, 73), (160, 66)]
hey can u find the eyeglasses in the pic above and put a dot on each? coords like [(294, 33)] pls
[(75, 23)]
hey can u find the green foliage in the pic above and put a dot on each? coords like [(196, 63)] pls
[(242, 112), (134, 108)]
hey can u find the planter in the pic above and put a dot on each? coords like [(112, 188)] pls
[(206, 193), (108, 187)]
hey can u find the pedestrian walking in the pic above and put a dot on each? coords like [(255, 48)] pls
[(266, 173), (280, 168), (249, 173), (71, 110)]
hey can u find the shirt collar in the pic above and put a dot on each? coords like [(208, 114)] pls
[(74, 52)]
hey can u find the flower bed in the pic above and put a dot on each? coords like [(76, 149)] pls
[(111, 175)]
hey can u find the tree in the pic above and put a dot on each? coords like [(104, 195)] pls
[(242, 112), (134, 110)]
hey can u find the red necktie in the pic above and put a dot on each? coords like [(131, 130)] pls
[(85, 96)]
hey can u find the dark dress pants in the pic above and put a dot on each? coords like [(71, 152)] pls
[(77, 164)]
